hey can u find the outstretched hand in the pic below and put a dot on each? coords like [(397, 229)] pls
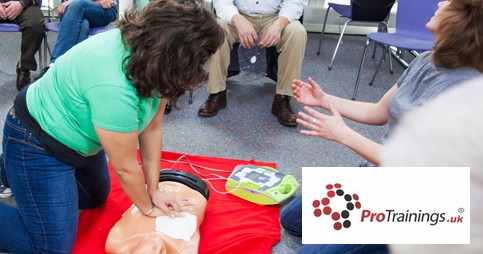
[(309, 94), (331, 127)]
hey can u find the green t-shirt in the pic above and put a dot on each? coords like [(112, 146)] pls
[(87, 86)]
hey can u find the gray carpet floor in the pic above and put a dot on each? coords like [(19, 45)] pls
[(246, 129)]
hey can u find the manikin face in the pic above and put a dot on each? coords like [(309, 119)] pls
[(434, 23)]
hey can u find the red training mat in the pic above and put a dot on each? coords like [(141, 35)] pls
[(231, 224)]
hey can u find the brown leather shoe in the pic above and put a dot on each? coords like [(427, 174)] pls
[(282, 110), (213, 104), (23, 78)]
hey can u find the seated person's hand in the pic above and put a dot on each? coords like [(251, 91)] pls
[(12, 9), (62, 6), (3, 15), (246, 32), (273, 33), (106, 4)]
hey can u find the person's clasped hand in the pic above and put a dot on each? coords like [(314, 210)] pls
[(3, 15), (12, 9), (167, 204), (271, 36), (246, 32), (62, 6), (106, 4)]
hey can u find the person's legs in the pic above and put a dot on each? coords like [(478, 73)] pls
[(5, 191), (71, 31), (220, 60), (93, 182), (46, 195), (31, 22), (217, 74), (291, 220), (291, 217), (292, 49), (343, 249)]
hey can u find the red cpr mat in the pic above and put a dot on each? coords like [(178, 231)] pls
[(231, 224)]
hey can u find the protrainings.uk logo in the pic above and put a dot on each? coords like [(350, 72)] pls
[(336, 198), (340, 218)]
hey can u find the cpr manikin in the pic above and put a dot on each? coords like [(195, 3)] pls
[(136, 233)]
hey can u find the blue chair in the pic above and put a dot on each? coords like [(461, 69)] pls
[(14, 28), (373, 11), (411, 32), (55, 27)]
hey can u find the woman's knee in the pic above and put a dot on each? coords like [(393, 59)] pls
[(77, 7)]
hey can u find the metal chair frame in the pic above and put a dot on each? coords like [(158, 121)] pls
[(382, 27), (421, 40)]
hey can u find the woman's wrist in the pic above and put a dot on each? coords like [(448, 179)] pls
[(147, 212), (324, 103)]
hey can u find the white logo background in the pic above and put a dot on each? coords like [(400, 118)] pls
[(431, 190)]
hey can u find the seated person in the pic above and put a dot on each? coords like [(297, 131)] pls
[(77, 17), (27, 14), (136, 233), (277, 22), (455, 59), (446, 132)]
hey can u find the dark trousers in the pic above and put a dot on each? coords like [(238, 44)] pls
[(31, 22)]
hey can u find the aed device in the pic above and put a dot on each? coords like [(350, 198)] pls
[(260, 184)]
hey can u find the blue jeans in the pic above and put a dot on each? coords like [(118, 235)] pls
[(48, 193), (78, 17), (291, 220)]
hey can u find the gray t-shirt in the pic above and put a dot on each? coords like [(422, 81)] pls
[(421, 82)]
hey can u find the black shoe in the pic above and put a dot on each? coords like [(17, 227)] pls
[(213, 104), (44, 70), (167, 110), (282, 110), (23, 78)]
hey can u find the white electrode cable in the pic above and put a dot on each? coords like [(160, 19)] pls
[(192, 166)]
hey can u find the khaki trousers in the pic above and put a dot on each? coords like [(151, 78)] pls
[(291, 48)]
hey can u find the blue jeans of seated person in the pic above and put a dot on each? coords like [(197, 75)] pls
[(3, 176), (79, 16), (291, 220), (48, 193)]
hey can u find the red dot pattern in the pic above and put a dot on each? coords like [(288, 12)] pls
[(327, 210), (317, 212), (316, 203), (337, 226)]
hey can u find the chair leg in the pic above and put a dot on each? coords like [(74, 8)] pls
[(323, 30), (379, 66), (338, 44), (46, 48), (356, 86), (41, 59), (391, 71), (190, 98), (381, 28)]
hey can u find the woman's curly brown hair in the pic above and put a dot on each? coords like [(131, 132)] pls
[(169, 42), (461, 35)]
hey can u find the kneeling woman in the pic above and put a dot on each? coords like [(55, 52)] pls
[(106, 96)]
